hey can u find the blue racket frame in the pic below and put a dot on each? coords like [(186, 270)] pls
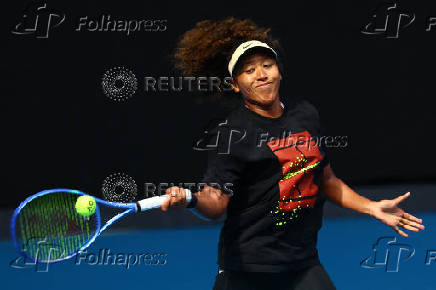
[(130, 208)]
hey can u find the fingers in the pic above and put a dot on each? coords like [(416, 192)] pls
[(412, 218), (400, 232), (402, 197), (406, 226), (166, 204), (408, 222), (411, 225), (176, 198)]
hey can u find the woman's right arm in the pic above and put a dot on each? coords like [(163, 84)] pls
[(212, 202)]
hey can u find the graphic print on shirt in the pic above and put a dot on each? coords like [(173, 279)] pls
[(298, 155)]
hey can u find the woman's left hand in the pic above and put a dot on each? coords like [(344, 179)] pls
[(390, 214)]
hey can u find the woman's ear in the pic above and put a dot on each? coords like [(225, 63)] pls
[(235, 86)]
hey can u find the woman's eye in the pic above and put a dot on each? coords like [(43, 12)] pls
[(249, 71), (268, 65)]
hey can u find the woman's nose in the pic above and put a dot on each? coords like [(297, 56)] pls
[(261, 73)]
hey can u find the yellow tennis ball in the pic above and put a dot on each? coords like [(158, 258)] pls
[(85, 205)]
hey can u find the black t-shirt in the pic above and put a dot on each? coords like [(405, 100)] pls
[(275, 166)]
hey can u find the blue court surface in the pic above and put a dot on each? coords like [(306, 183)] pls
[(186, 259)]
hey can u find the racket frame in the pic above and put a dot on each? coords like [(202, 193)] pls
[(129, 208)]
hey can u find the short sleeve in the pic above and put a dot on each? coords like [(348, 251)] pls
[(319, 131), (224, 166)]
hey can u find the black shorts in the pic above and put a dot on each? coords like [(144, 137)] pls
[(312, 278)]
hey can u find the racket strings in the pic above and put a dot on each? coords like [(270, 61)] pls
[(49, 228)]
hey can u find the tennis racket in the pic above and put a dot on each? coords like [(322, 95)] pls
[(47, 228)]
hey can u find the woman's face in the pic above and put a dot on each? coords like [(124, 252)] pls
[(258, 80)]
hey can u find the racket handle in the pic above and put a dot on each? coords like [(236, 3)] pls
[(149, 203), (156, 201)]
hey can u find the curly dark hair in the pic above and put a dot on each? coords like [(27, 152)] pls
[(206, 49)]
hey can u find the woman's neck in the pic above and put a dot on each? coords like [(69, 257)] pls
[(273, 111)]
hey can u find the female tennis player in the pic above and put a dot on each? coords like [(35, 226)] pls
[(277, 166)]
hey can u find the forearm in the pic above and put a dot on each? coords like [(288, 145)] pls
[(340, 193), (211, 202)]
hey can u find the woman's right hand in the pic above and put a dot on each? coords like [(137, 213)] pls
[(212, 202), (176, 198)]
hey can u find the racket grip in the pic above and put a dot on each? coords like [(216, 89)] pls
[(156, 201), (149, 203)]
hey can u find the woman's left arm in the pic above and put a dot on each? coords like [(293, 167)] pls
[(385, 211)]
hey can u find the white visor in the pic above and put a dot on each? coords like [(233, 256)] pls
[(243, 48)]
